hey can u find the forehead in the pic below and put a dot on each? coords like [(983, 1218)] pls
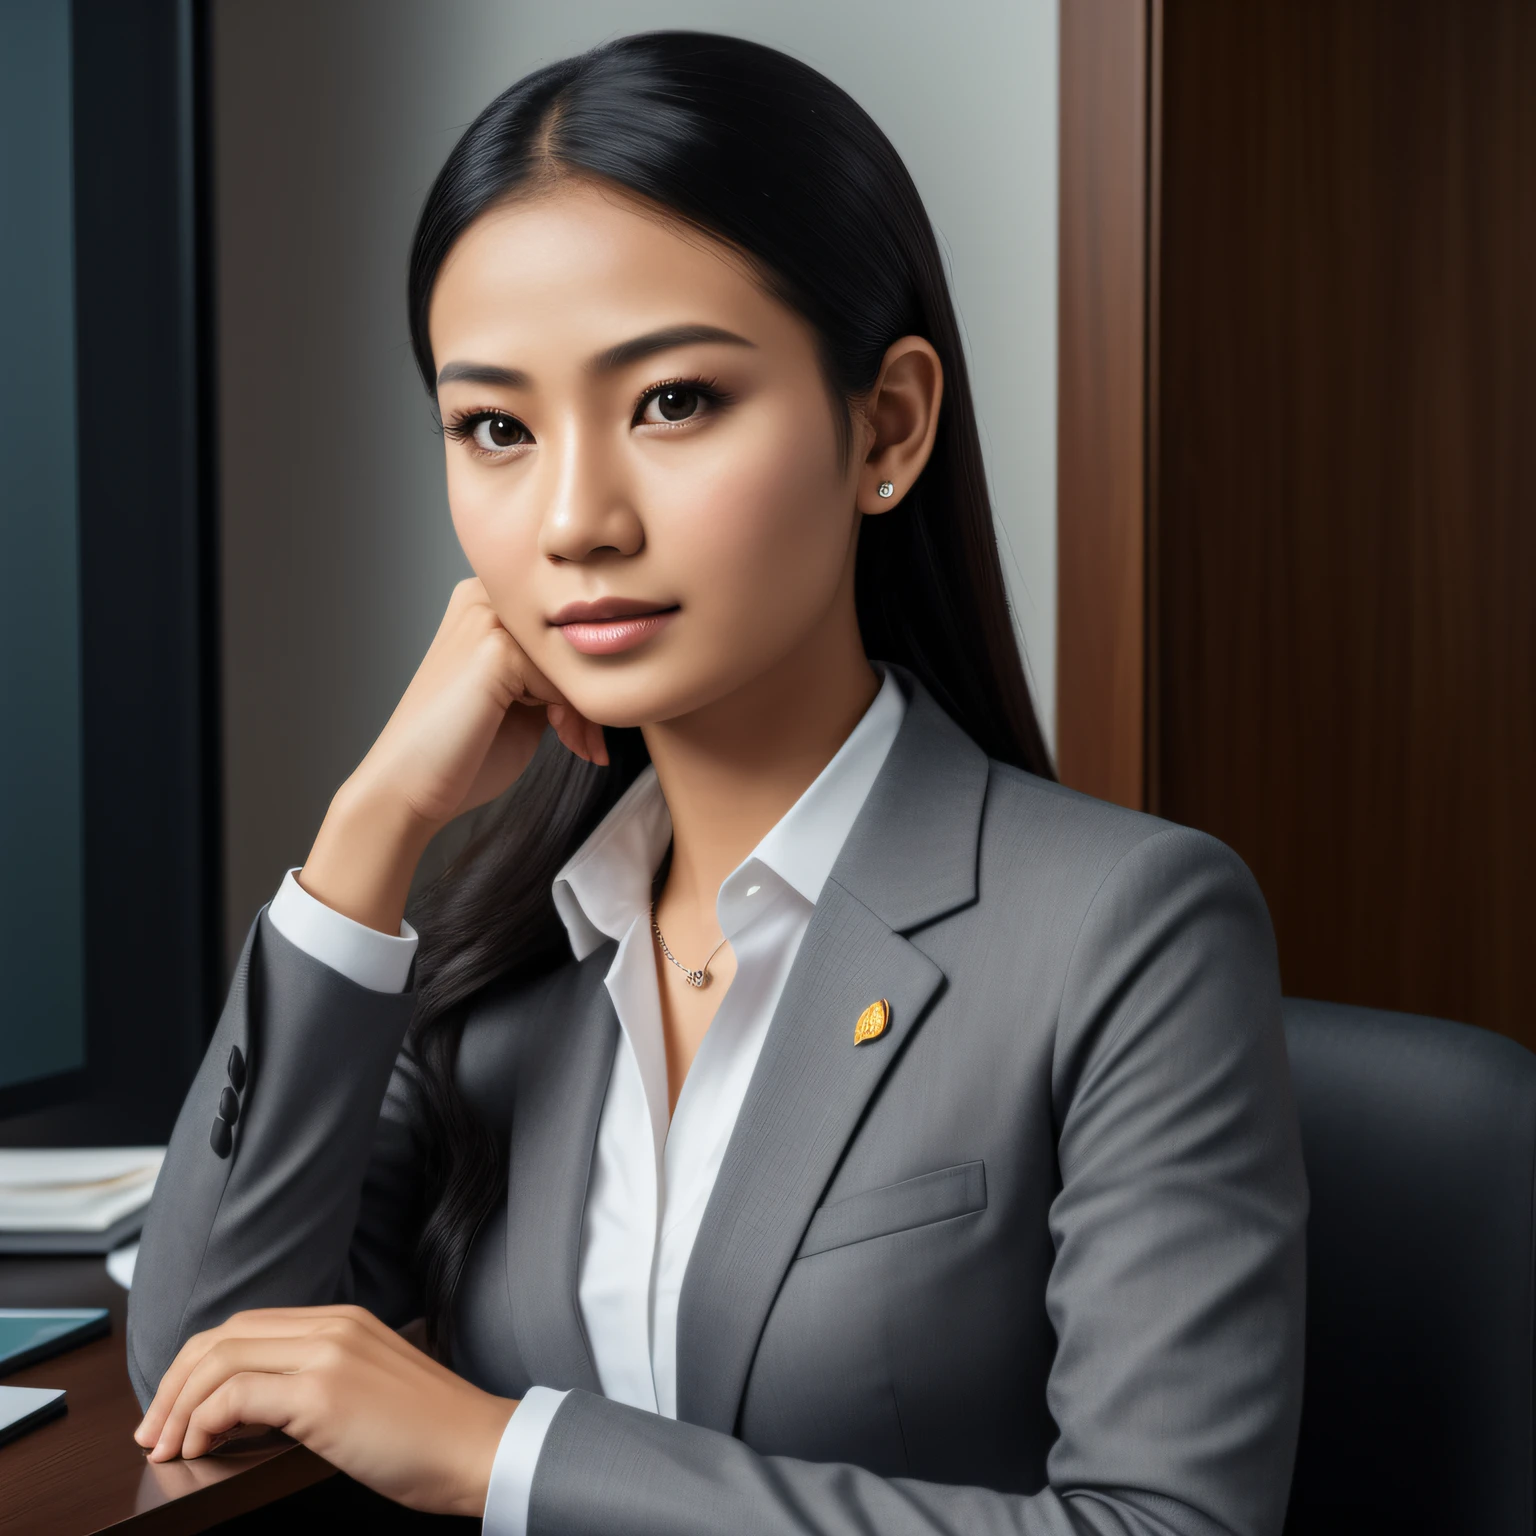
[(584, 264)]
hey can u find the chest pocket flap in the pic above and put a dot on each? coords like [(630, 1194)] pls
[(913, 1202)]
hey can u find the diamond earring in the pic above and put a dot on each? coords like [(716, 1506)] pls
[(886, 488)]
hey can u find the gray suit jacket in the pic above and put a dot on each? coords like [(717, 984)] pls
[(1030, 1262)]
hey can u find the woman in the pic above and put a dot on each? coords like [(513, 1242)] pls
[(803, 1115)]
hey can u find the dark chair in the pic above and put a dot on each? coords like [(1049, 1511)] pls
[(1420, 1145)]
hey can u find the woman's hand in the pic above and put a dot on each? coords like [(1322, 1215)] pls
[(349, 1388), (471, 717), (464, 730)]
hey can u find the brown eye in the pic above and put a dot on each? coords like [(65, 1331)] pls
[(494, 433), (677, 402)]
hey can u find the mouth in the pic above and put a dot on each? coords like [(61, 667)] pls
[(612, 624)]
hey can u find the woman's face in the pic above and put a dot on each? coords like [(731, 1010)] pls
[(629, 415)]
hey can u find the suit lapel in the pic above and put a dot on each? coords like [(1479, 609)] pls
[(809, 1088), (910, 857), (554, 1130)]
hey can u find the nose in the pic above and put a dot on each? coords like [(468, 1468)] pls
[(589, 510)]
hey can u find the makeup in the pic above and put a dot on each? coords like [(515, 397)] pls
[(612, 624)]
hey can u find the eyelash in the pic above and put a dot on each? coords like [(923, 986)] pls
[(461, 425)]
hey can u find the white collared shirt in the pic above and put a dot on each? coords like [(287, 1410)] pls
[(651, 1176)]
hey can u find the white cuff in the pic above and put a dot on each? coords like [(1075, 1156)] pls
[(360, 953), (511, 1486)]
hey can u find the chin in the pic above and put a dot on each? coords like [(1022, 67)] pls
[(619, 697), (639, 696)]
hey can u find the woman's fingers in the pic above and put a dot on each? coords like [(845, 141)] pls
[(537, 689), (280, 1341), (527, 684), (263, 1322), (598, 745), (172, 1382), (226, 1359), (577, 733), (170, 1386), (254, 1397), (350, 1388), (464, 730)]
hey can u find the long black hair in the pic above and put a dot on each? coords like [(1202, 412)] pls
[(760, 151)]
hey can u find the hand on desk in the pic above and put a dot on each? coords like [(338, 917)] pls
[(345, 1385)]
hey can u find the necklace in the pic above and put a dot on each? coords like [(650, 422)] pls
[(695, 978)]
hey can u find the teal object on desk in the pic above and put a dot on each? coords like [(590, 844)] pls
[(34, 1333)]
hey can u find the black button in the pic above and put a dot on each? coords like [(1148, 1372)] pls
[(221, 1138), (229, 1106), (236, 1069)]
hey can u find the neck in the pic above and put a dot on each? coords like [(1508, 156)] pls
[(730, 770)]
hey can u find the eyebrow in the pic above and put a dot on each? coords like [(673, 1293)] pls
[(618, 356)]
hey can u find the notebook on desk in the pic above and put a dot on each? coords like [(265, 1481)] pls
[(74, 1199)]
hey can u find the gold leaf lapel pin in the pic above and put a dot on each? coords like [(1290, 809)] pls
[(873, 1022)]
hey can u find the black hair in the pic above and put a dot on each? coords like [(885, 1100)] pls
[(760, 151)]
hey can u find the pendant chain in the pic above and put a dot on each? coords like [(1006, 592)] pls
[(695, 978)]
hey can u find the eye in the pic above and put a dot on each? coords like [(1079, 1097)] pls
[(679, 400), (674, 403), (489, 434), (493, 433)]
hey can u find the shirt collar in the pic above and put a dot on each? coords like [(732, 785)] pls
[(606, 882)]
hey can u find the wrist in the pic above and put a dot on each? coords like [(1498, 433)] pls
[(365, 856), (381, 809), (481, 1448)]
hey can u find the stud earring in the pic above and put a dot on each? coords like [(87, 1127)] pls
[(886, 488)]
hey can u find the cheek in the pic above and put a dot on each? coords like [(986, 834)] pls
[(501, 548), (761, 524)]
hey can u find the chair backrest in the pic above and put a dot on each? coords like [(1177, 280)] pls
[(1420, 1144)]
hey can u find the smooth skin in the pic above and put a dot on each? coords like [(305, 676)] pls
[(574, 475)]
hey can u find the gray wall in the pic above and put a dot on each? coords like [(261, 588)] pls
[(42, 1017), (331, 120)]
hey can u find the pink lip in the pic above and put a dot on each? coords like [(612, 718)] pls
[(606, 637)]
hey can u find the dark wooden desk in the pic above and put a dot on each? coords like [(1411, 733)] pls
[(84, 1472)]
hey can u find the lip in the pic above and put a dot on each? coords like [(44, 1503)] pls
[(607, 608), (611, 624)]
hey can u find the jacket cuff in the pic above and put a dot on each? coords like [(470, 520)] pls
[(362, 954), (506, 1500)]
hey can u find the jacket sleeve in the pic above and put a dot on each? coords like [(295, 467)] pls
[(1176, 1293), (313, 1194)]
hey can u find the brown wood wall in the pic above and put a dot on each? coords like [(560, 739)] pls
[(1101, 393), (1340, 498)]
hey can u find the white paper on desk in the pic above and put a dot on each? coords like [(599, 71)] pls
[(18, 1404), (74, 1189)]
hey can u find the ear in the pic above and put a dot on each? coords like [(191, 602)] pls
[(902, 412)]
